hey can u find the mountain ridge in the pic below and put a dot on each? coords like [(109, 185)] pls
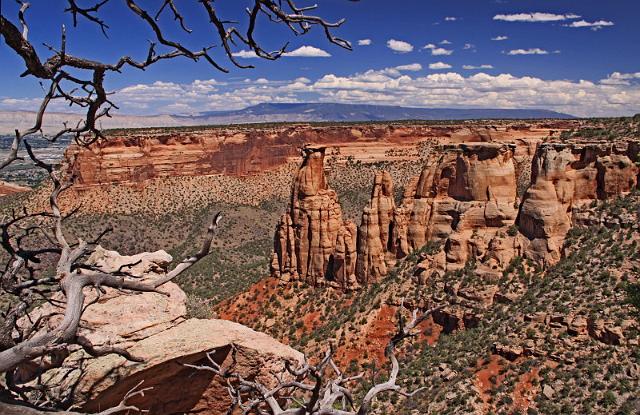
[(277, 112)]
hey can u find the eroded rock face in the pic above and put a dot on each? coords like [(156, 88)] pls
[(463, 197), (567, 176), (375, 234), (154, 328), (313, 242), (466, 197)]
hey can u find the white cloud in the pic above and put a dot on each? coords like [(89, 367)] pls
[(439, 66), (429, 46), (499, 38), (450, 19), (468, 46), (399, 46), (617, 94), (472, 67), (445, 42), (618, 78), (413, 67), (308, 52), (532, 51), (261, 81), (599, 24), (364, 42), (441, 52), (535, 17), (245, 54), (301, 52)]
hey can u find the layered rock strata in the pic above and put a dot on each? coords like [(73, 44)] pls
[(568, 176), (139, 155)]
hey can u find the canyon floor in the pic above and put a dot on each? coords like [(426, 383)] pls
[(558, 338)]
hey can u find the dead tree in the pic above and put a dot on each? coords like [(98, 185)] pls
[(309, 389), (79, 82)]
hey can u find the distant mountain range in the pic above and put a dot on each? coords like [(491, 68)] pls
[(360, 112), (306, 112)]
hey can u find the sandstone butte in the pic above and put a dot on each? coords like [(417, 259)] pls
[(466, 197), (153, 327), (132, 157)]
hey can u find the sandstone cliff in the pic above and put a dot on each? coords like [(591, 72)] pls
[(140, 155), (565, 176)]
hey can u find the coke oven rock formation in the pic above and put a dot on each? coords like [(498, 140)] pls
[(466, 197), (375, 234), (313, 243)]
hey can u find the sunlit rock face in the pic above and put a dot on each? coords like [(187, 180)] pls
[(313, 243), (567, 176), (466, 198)]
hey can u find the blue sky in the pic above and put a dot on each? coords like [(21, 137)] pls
[(579, 57)]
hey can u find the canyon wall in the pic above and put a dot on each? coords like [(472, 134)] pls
[(138, 155), (466, 198)]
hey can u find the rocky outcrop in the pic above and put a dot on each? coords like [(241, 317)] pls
[(375, 234), (568, 176), (153, 327), (313, 243), (467, 197)]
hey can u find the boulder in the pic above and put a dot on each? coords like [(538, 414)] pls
[(153, 328)]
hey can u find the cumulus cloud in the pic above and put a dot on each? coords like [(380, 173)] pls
[(445, 42), (531, 51), (535, 17), (413, 67), (499, 38), (364, 42), (597, 25), (468, 46), (399, 46), (439, 66), (615, 95), (618, 78), (436, 51), (450, 19), (302, 52), (308, 52), (472, 67)]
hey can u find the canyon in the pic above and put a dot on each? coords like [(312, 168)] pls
[(331, 231), (131, 156)]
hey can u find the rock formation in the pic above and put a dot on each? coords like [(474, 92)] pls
[(375, 234), (567, 176), (154, 327), (7, 188), (313, 243), (466, 197)]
